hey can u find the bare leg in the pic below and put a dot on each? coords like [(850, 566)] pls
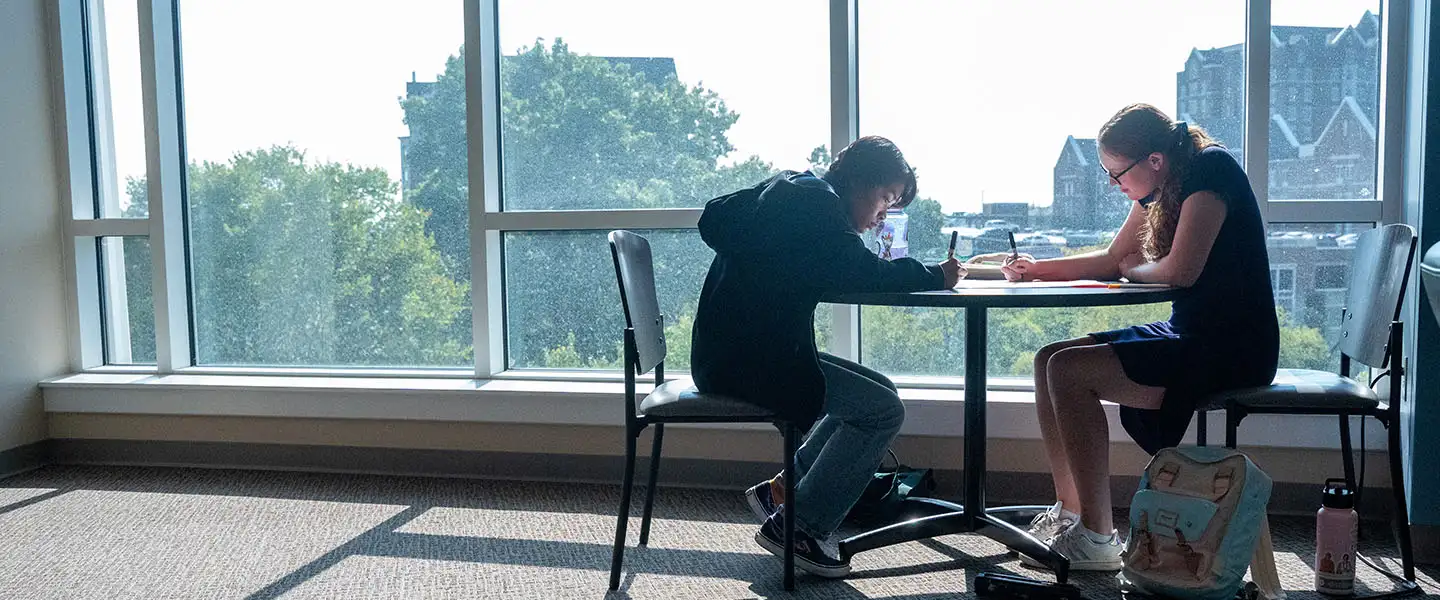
[(1049, 425), (1079, 376)]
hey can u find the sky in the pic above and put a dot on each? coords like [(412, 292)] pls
[(979, 95)]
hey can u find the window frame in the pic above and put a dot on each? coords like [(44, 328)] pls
[(165, 226)]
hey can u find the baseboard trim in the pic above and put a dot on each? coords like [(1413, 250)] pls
[(1003, 487), (24, 458)]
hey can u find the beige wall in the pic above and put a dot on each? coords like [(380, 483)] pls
[(32, 291), (1283, 464)]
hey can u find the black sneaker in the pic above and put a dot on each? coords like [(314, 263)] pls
[(809, 556), (762, 504)]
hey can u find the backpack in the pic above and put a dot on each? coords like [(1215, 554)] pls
[(883, 501), (1195, 524)]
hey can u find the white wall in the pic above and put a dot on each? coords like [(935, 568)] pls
[(32, 292)]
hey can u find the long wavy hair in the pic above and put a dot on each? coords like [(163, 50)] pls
[(1138, 131)]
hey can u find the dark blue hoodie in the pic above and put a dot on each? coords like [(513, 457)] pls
[(779, 247)]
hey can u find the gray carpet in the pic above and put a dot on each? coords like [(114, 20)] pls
[(120, 532)]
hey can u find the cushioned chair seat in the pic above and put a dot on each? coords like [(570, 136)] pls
[(1301, 388), (680, 399)]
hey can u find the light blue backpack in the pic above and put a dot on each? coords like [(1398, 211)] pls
[(1195, 525)]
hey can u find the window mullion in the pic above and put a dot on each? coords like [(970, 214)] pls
[(1257, 101), (844, 127), (482, 100), (165, 180), (82, 259), (1394, 71)]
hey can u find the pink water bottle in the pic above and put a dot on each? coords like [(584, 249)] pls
[(1335, 534)]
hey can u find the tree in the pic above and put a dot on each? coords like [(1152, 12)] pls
[(923, 233), (296, 263), (578, 132)]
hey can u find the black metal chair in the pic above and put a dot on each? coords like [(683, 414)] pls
[(674, 401), (1370, 332)]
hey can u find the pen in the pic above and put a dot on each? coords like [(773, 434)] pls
[(953, 236), (1112, 286), (1014, 252)]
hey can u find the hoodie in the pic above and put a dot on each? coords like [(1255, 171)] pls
[(779, 248)]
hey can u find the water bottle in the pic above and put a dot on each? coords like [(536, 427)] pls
[(1336, 526)]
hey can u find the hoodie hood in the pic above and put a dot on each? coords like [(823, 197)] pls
[(752, 220)]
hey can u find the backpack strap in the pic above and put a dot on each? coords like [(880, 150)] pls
[(1262, 565)]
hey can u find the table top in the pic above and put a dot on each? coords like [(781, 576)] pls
[(1000, 294)]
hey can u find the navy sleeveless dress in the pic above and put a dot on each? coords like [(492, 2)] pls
[(1222, 331)]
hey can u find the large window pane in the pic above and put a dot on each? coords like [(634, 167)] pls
[(327, 185), (129, 307), (562, 304), (1001, 128), (640, 104), (115, 95), (1324, 99), (1310, 274)]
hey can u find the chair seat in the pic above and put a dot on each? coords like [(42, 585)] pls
[(1300, 389), (679, 399)]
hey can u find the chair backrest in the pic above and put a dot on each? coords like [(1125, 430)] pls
[(1379, 269), (1430, 275), (635, 272)]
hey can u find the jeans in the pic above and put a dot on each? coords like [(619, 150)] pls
[(862, 415)]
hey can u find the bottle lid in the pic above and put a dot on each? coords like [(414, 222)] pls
[(1337, 494)]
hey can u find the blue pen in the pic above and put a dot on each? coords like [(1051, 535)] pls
[(953, 236), (1014, 252)]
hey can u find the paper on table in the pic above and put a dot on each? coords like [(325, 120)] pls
[(969, 284)]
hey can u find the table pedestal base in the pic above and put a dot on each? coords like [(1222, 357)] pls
[(1002, 524)]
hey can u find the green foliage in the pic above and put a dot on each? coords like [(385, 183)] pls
[(923, 233), (296, 263), (578, 132), (1304, 347)]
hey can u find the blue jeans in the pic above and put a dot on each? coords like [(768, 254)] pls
[(862, 415)]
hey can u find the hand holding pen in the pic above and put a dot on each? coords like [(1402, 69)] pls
[(954, 271), (1017, 267)]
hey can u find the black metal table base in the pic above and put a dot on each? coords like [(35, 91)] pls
[(1002, 524), (943, 518)]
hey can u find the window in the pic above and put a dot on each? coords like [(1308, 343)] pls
[(119, 142), (1334, 45), (305, 250), (1026, 105), (562, 307), (129, 311), (1310, 275), (688, 114), (323, 209), (600, 113), (1282, 280), (1331, 277)]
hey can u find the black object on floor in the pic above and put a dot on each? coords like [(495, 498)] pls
[(997, 585)]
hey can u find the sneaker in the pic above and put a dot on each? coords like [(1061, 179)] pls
[(762, 504), (1084, 551), (809, 555), (1051, 522)]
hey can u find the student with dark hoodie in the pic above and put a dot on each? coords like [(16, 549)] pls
[(779, 247)]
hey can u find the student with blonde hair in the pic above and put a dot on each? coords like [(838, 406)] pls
[(1194, 223)]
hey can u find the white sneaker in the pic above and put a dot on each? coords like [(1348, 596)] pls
[(1051, 522), (1085, 552)]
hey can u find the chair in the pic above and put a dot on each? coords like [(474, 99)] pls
[(673, 401), (1370, 332)]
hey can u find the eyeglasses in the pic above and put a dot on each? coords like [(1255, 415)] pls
[(1116, 176)]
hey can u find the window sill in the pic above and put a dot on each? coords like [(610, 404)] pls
[(930, 410)]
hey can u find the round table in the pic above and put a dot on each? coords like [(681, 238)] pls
[(941, 517)]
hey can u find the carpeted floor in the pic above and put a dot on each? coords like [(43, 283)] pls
[(119, 532)]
